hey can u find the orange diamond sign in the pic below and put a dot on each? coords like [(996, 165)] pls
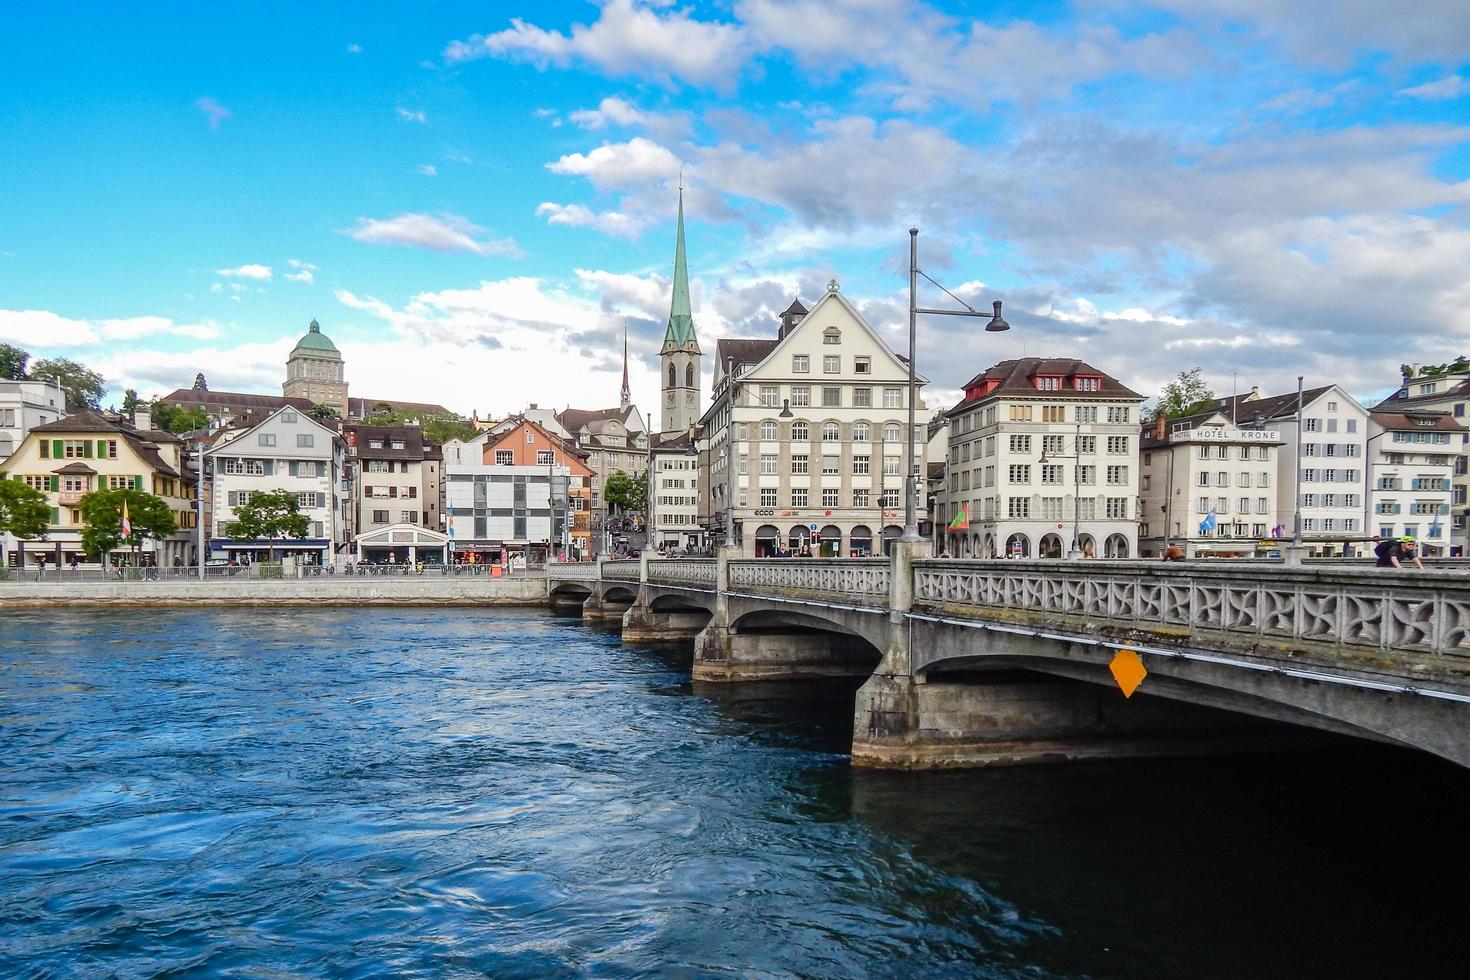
[(1128, 671)]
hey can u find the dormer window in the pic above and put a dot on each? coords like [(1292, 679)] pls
[(1048, 382), (1087, 384), (831, 336)]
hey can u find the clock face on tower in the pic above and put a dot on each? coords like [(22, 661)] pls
[(671, 398)]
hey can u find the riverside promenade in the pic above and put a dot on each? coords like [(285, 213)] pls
[(336, 590)]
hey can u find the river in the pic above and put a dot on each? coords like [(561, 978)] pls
[(460, 792)]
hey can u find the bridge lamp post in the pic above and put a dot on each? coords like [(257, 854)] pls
[(996, 324), (1076, 457)]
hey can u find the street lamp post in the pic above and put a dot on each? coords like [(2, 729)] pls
[(996, 324), (1075, 551)]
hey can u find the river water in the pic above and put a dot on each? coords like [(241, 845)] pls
[(462, 793)]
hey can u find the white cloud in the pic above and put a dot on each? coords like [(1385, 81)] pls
[(1446, 88), (411, 115), (610, 111), (620, 165), (626, 39), (427, 170), (260, 273), (305, 272), (445, 233), (213, 111), (43, 328), (614, 223), (354, 49)]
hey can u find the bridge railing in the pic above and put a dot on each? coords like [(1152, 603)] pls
[(855, 581), (1345, 607), (622, 570), (683, 571), (577, 571)]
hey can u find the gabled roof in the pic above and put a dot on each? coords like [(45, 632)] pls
[(75, 468), (795, 309), (251, 425), (360, 407), (574, 420), (1013, 378), (87, 421), (743, 351), (1253, 409), (1399, 401), (1416, 421), (358, 435), (232, 400)]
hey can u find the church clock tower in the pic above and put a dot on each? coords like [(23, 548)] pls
[(680, 355)]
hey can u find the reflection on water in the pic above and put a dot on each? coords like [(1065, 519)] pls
[(429, 793)]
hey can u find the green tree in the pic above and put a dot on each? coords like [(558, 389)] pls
[(83, 386), (271, 515), (102, 519), (324, 413), (199, 383), (436, 428), (13, 362), (625, 492), (131, 401), (24, 512), (1185, 395), (174, 418)]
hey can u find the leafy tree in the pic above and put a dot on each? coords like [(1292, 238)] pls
[(268, 516), (1185, 395), (13, 362), (174, 418), (625, 492), (199, 383), (437, 429), (102, 519), (131, 401), (24, 512), (324, 413), (83, 386)]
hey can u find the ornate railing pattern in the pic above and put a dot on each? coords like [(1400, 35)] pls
[(623, 570), (579, 571), (859, 581), (1365, 609), (683, 571)]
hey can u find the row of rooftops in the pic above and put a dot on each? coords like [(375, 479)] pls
[(144, 442)]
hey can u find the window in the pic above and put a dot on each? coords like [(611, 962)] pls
[(798, 496), (1332, 406), (504, 457), (266, 438), (1051, 473), (829, 496), (861, 465), (1309, 449), (1051, 445), (1018, 506), (377, 466), (831, 364), (1244, 506), (544, 457), (768, 431), (1020, 444), (1118, 414), (530, 436), (1117, 475), (1019, 474), (288, 417), (768, 463), (891, 433), (1087, 475), (888, 498), (1048, 382), (1020, 413), (890, 466), (1118, 508), (770, 396), (305, 440), (1087, 384), (801, 395), (862, 398), (862, 432), (1117, 445), (768, 496), (862, 365), (831, 432), (1052, 413), (1086, 445), (1352, 424), (396, 444), (1311, 425), (799, 463), (860, 498), (830, 465), (800, 364), (1203, 507), (800, 432), (1085, 413), (893, 398), (380, 517), (831, 336), (832, 397)]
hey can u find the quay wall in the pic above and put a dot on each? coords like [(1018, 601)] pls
[(344, 591)]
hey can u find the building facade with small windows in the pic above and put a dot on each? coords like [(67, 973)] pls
[(674, 521), (1209, 486), (1411, 469), (1043, 462), (805, 437), (25, 405), (288, 450), (1442, 388), (70, 457), (397, 477)]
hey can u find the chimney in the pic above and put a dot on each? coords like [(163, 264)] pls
[(1159, 425), (1255, 393), (143, 418)]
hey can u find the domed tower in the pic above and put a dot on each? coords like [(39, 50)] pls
[(680, 355), (315, 371)]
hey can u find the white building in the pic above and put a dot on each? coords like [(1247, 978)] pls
[(288, 450), (25, 405), (1329, 463), (496, 511), (1411, 468), (1043, 459), (1209, 486), (1442, 388), (806, 433), (674, 522)]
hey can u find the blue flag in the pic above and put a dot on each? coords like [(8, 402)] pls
[(1208, 524)]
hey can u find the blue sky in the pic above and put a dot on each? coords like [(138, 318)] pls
[(476, 199)]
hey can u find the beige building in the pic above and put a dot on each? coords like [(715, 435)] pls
[(315, 371), (70, 457), (1043, 459), (396, 477), (1442, 389), (1411, 467), (806, 435)]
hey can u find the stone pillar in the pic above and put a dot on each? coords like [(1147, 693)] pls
[(712, 645), (887, 707), (641, 624)]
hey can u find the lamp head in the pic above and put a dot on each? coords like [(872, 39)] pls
[(786, 412), (997, 322)]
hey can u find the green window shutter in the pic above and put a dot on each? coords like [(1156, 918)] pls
[(55, 483), (45, 448), (137, 483), (86, 449), (101, 448), (58, 451), (55, 513)]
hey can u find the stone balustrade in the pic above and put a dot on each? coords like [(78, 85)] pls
[(683, 571), (622, 570), (858, 581), (576, 571)]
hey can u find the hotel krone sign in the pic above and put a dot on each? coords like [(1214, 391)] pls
[(1221, 433)]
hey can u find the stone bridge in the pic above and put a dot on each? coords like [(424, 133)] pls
[(971, 662)]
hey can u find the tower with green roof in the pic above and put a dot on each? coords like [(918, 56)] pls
[(315, 371), (680, 355)]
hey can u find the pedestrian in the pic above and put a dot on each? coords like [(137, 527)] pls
[(40, 566), (1173, 553), (1393, 552), (73, 562)]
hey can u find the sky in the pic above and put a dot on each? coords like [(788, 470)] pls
[(476, 200)]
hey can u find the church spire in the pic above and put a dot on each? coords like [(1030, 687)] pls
[(680, 332), (627, 396)]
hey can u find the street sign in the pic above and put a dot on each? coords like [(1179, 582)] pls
[(1128, 670), (812, 526)]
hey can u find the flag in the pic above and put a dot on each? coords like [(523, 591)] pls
[(1434, 527), (1208, 524), (961, 521), (1279, 531), (127, 525)]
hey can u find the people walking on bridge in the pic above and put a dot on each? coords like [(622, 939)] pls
[(1394, 552)]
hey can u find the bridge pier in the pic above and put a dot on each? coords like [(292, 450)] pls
[(644, 625), (599, 610), (723, 655)]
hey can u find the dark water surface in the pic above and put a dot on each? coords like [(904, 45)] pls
[(457, 793)]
